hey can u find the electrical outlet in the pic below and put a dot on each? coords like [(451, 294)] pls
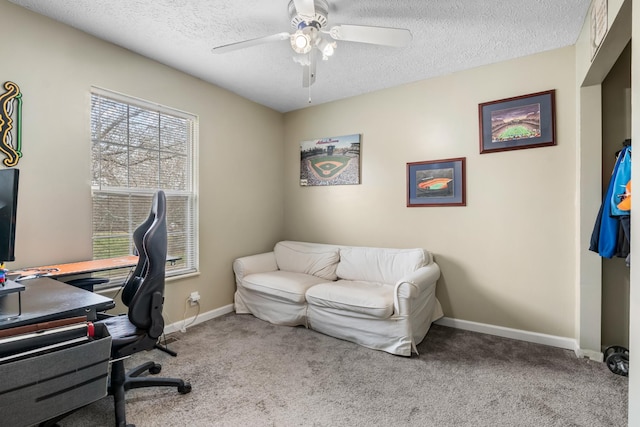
[(194, 298)]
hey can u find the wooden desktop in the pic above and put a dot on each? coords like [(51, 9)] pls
[(82, 267)]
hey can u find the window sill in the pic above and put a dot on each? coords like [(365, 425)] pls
[(182, 276), (115, 286)]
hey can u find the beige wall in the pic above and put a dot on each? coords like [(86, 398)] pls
[(507, 258), (55, 67)]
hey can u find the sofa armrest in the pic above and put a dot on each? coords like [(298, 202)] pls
[(414, 283), (260, 263)]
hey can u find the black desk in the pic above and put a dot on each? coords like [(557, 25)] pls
[(46, 299), (10, 287)]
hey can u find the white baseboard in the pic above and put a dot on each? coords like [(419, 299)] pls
[(598, 356), (484, 328), (194, 320), (518, 334)]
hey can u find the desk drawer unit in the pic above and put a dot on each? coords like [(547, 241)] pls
[(35, 389)]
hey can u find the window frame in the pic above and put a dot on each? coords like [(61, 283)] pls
[(117, 277)]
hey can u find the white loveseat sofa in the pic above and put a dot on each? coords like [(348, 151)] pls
[(377, 297)]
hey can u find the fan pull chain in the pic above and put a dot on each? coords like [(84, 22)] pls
[(309, 87)]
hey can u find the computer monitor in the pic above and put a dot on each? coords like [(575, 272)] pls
[(8, 206)]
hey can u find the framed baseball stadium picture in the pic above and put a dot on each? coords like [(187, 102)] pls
[(330, 161), (436, 183), (526, 121)]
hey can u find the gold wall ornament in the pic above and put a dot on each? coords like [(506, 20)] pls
[(11, 106)]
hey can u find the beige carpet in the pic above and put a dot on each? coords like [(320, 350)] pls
[(246, 372)]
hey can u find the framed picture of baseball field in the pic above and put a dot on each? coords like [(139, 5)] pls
[(330, 161), (526, 121), (436, 183)]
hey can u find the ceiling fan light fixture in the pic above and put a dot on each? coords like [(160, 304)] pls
[(326, 48), (301, 41)]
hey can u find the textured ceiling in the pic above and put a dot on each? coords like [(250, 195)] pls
[(448, 36)]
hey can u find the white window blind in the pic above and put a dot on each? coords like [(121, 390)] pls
[(137, 148)]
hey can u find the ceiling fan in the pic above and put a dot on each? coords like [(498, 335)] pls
[(309, 19)]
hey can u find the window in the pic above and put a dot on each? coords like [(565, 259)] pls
[(139, 147)]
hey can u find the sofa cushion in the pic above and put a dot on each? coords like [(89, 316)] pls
[(379, 264), (282, 284), (374, 299), (308, 258)]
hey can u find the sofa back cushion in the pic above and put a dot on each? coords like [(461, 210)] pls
[(310, 258), (380, 265)]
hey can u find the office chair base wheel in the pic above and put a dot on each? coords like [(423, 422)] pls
[(155, 369), (617, 360), (614, 349), (184, 389), (618, 363)]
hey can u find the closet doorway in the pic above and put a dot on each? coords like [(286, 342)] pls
[(616, 128)]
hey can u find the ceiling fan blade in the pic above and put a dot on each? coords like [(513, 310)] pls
[(309, 71), (248, 43), (396, 37), (305, 8)]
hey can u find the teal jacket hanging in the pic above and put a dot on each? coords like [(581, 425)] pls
[(606, 232)]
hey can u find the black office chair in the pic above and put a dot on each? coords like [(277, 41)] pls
[(140, 329)]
